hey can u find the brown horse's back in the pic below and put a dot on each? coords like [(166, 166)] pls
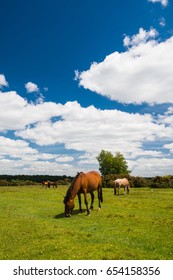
[(92, 180)]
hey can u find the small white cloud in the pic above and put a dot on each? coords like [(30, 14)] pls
[(164, 3), (31, 87), (3, 81), (64, 158), (169, 147), (162, 21), (45, 89), (142, 37)]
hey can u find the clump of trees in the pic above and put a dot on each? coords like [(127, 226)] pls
[(112, 164), (162, 182)]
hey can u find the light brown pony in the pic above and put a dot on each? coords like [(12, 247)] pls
[(48, 184), (45, 184), (118, 183), (83, 183)]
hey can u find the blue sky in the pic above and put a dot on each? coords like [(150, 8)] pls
[(77, 77)]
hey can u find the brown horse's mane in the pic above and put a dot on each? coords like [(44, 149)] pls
[(66, 198)]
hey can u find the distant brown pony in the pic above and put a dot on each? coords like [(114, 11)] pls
[(53, 184), (83, 183), (118, 183), (48, 184)]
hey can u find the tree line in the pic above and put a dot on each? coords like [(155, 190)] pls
[(23, 180)]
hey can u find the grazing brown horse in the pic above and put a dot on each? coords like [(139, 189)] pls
[(118, 183), (83, 183), (53, 184)]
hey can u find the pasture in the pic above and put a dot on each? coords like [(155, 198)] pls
[(136, 226)]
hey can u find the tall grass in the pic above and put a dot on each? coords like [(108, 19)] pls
[(135, 226)]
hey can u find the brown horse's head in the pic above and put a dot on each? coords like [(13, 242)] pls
[(68, 200), (69, 206)]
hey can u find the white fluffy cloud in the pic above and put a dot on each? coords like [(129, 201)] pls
[(31, 87), (163, 2), (3, 81), (143, 73), (31, 167), (142, 37), (169, 147), (17, 155), (16, 112), (158, 166), (90, 130), (15, 148)]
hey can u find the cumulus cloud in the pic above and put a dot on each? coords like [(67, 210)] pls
[(31, 87), (13, 167), (63, 158), (143, 73), (169, 147), (17, 155), (163, 2), (15, 148), (16, 112), (161, 167), (90, 130), (3, 81), (142, 37)]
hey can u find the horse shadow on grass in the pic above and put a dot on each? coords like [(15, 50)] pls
[(62, 215)]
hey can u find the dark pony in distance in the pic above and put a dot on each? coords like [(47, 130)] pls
[(83, 183)]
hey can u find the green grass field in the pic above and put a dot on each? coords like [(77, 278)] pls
[(138, 226)]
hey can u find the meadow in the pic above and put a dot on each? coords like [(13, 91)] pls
[(137, 226)]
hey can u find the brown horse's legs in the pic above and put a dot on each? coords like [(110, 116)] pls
[(86, 203), (99, 197), (80, 204), (92, 201)]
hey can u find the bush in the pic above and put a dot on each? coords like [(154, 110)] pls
[(162, 182), (139, 182)]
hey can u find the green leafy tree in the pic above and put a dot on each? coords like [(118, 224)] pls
[(109, 164)]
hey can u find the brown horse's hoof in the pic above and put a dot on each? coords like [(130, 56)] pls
[(88, 213), (68, 216)]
